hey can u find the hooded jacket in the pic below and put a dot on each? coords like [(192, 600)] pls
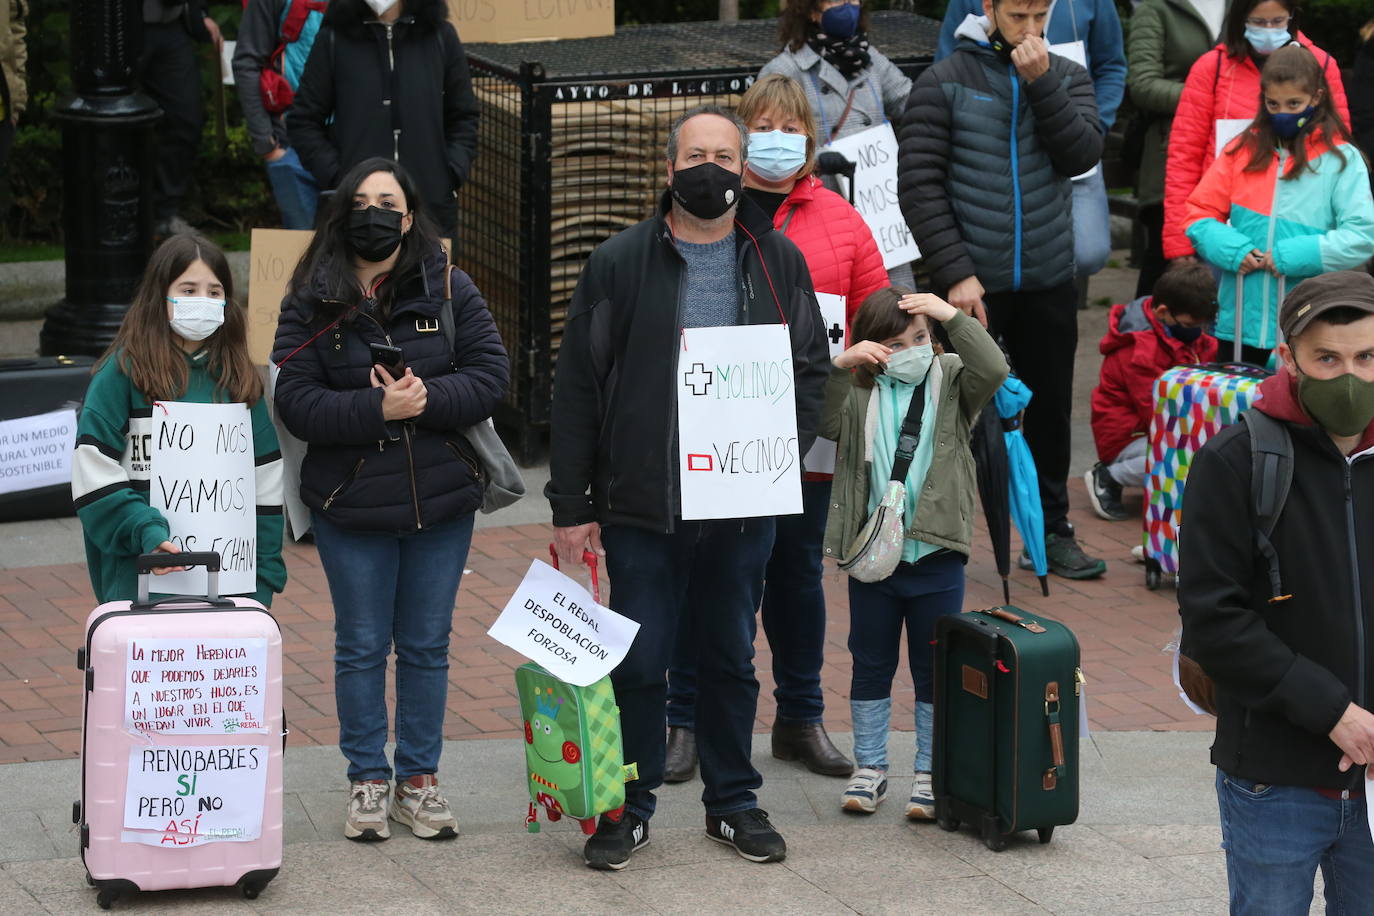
[(343, 112), (612, 455), (260, 32), (1136, 350), (1166, 37), (984, 164), (878, 91), (1219, 87), (360, 470), (1284, 672), (838, 246), (1323, 220), (1093, 22)]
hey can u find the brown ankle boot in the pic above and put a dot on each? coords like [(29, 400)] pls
[(809, 743), (680, 764)]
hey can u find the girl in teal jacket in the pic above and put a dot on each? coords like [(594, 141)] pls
[(1288, 199), (184, 338)]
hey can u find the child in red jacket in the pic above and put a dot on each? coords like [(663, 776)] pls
[(1144, 339)]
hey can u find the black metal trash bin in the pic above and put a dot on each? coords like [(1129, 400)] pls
[(570, 152)]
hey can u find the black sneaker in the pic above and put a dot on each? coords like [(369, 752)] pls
[(750, 833), (1067, 559), (1105, 494), (614, 840)]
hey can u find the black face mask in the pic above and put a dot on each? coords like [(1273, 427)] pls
[(706, 191), (1183, 335), (374, 233), (1001, 45)]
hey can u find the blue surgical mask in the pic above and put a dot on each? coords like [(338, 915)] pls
[(910, 364), (1288, 124), (775, 155), (840, 21), (1266, 41)]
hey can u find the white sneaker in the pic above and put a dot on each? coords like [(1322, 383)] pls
[(921, 805), (866, 790), (1138, 552), (366, 820)]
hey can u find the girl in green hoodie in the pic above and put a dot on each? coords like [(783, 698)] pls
[(184, 338)]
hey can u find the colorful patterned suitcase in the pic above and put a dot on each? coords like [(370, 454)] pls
[(182, 739), (1192, 404)]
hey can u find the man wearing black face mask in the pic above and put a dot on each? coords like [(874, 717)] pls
[(1284, 624), (990, 139), (708, 257)]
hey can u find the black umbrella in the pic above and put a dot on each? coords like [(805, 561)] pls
[(990, 458)]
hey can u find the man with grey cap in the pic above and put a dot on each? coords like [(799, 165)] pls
[(1277, 595)]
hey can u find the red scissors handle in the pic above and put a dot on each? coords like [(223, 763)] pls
[(589, 559)]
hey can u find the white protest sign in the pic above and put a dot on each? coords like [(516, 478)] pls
[(556, 623), (1227, 130), (203, 484), (737, 423), (189, 796), (821, 457), (226, 62), (1078, 53), (196, 686), (874, 154), (36, 451)]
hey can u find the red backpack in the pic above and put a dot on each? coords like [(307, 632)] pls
[(277, 94)]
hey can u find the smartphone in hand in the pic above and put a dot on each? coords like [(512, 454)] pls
[(389, 358)]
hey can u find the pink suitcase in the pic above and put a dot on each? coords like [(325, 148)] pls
[(182, 740)]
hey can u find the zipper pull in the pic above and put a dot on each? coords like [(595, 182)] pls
[(1078, 681)]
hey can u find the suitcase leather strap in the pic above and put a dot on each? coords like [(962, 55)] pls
[(1002, 613), (1051, 779)]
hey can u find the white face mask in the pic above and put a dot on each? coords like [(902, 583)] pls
[(380, 6), (196, 317), (911, 364)]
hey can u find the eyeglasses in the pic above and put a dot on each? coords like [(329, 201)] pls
[(1276, 23)]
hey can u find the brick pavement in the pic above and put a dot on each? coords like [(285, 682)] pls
[(1121, 626)]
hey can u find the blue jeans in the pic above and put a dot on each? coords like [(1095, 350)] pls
[(392, 588), (1275, 838), (1092, 226), (793, 619), (711, 575), (295, 190)]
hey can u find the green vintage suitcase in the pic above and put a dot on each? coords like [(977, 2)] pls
[(1007, 689)]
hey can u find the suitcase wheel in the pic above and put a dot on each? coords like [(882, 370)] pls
[(1154, 574), (1045, 833), (251, 889), (992, 837), (106, 898), (948, 823)]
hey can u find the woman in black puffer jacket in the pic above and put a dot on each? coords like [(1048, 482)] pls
[(390, 482)]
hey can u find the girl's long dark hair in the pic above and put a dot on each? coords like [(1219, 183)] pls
[(147, 349), (1233, 31), (1294, 64), (324, 279)]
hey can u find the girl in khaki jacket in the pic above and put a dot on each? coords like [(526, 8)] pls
[(869, 391)]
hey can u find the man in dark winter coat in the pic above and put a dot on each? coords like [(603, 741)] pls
[(990, 138), (389, 80), (708, 258), (1287, 637)]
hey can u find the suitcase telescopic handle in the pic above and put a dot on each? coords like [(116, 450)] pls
[(210, 559), (588, 558)]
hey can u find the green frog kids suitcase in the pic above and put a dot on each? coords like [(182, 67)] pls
[(573, 754), (1007, 689)]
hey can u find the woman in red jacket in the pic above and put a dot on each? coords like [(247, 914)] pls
[(1221, 98), (844, 260)]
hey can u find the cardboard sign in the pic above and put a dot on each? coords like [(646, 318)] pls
[(737, 423), (874, 154), (196, 686), (553, 621), (531, 20), (37, 451), (820, 459), (188, 796), (203, 483), (272, 258)]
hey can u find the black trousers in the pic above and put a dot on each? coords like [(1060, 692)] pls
[(6, 141), (1152, 261), (1039, 330), (167, 72)]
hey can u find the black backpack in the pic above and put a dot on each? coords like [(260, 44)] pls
[(1271, 476)]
